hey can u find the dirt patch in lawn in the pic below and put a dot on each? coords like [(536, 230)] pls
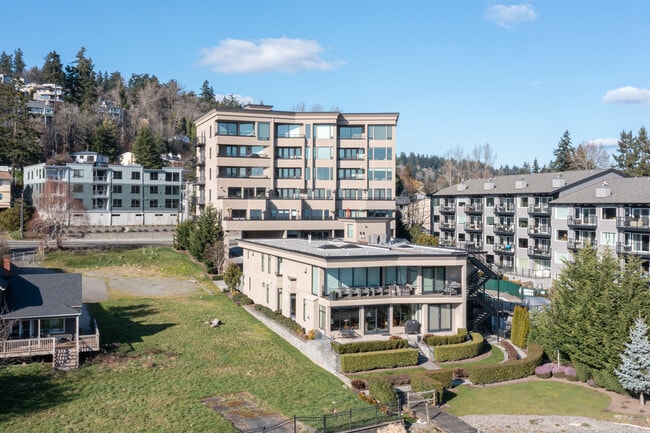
[(244, 412)]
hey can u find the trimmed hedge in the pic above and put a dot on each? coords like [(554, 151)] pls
[(423, 382), (369, 346), (443, 340), (353, 362), (445, 377), (278, 317), (240, 299), (510, 370), (455, 352), (382, 391)]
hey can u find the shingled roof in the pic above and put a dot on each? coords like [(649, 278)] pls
[(624, 191), (43, 295)]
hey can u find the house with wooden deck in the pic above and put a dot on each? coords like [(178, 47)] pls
[(43, 315)]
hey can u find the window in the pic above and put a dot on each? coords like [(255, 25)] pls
[(117, 202), (172, 203), (322, 317), (348, 132), (489, 220), (324, 173), (246, 129), (52, 326), (608, 238), (153, 203), (117, 189), (562, 235), (523, 202), (77, 173), (324, 131), (135, 189), (351, 173), (380, 153), (522, 242), (346, 153), (117, 174), (135, 175), (77, 187), (288, 153), (523, 222), (135, 202), (380, 132), (264, 131), (440, 317), (289, 173), (489, 240), (288, 131), (172, 177), (323, 152), (609, 213), (153, 175), (153, 189)]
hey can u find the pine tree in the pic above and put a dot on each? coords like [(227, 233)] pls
[(535, 169), (634, 370), (208, 230), (207, 95), (18, 138), (627, 158), (53, 69), (6, 63), (18, 66), (642, 144), (80, 81), (146, 149), (105, 142), (563, 153)]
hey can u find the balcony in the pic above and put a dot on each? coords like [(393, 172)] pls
[(200, 142), (448, 208), (200, 180), (100, 192), (474, 208), (504, 249), (539, 231), (447, 242), (504, 209), (542, 209), (634, 223), (640, 250), (448, 225), (474, 227), (540, 252), (575, 245), (504, 229), (584, 221), (390, 291), (200, 160)]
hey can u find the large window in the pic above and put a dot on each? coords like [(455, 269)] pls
[(380, 153), (347, 132), (323, 131), (264, 131), (351, 173), (246, 129), (440, 317), (288, 131), (380, 132), (323, 152), (324, 173), (344, 318), (346, 153), (288, 152)]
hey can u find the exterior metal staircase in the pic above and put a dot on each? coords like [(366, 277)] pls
[(481, 306)]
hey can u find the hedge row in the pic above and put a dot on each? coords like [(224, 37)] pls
[(443, 340), (381, 390), (445, 377), (423, 382), (455, 352), (369, 346), (510, 370), (354, 362), (278, 317)]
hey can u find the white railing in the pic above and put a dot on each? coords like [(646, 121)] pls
[(27, 347)]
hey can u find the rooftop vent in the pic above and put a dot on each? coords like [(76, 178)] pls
[(521, 183), (488, 185), (559, 181), (603, 191), (462, 186)]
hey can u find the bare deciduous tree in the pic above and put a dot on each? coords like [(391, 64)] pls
[(590, 156), (56, 210)]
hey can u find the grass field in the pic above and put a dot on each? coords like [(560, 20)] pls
[(167, 360)]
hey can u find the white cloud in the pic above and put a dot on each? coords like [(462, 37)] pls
[(233, 56), (510, 16), (627, 95), (605, 142), (241, 98)]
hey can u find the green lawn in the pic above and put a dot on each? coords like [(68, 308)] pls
[(529, 398), (167, 361)]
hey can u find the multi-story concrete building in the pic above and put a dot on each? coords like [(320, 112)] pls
[(279, 174), (348, 287), (110, 195), (514, 221), (6, 182), (48, 94)]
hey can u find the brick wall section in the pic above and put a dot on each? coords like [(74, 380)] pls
[(318, 351)]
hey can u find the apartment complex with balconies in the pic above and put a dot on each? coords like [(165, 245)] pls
[(279, 174), (514, 219), (111, 195)]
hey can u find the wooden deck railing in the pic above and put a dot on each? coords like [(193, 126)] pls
[(26, 347)]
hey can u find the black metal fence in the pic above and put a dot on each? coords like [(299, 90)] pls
[(336, 421)]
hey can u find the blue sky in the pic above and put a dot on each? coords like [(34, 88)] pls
[(460, 73)]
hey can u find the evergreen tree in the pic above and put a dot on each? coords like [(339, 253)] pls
[(6, 63), (105, 142), (520, 327), (183, 236), (535, 169), (627, 158), (80, 81), (634, 371), (563, 154), (18, 67), (232, 276), (146, 149), (207, 95), (53, 69), (642, 144), (208, 230), (18, 138), (593, 303)]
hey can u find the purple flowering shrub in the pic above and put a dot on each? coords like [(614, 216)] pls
[(558, 371), (570, 373), (544, 371)]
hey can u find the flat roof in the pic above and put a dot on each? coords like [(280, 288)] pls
[(336, 248)]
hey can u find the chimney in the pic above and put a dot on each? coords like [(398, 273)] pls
[(521, 183), (488, 185), (6, 266), (603, 191), (559, 181)]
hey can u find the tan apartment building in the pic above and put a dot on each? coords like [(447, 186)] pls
[(6, 180), (280, 174)]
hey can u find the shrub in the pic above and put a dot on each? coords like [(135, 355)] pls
[(240, 299), (558, 371), (445, 377), (455, 352), (607, 380), (544, 371), (570, 373), (443, 340), (358, 384), (510, 370), (398, 379), (381, 390), (278, 317), (459, 373), (422, 382), (520, 326), (369, 346), (353, 362), (311, 334), (584, 371)]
